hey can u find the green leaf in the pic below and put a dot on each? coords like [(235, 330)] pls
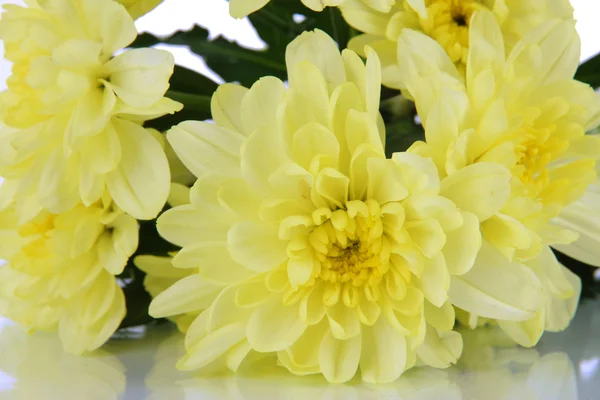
[(401, 134), (192, 89), (276, 26), (187, 81), (229, 60), (589, 72)]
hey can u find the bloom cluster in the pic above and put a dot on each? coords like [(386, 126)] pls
[(304, 235), (79, 166)]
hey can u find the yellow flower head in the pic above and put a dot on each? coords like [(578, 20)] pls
[(60, 272), (523, 111), (307, 241), (73, 111), (446, 21), (137, 8)]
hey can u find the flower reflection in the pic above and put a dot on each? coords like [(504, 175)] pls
[(36, 367), (492, 367)]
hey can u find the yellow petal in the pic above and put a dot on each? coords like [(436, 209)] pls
[(384, 353), (312, 307), (462, 245), (440, 350), (212, 346), (212, 261), (319, 49), (189, 294), (225, 106), (560, 311), (435, 280), (185, 225), (140, 77), (140, 185), (419, 174), (303, 355), (256, 246), (274, 326), (219, 147), (159, 266), (481, 188), (443, 210), (526, 333), (553, 276), (331, 189), (339, 358), (427, 235), (486, 47), (315, 148), (261, 103), (241, 8), (497, 288), (57, 190), (343, 321), (441, 318)]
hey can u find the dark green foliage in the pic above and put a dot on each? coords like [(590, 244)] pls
[(589, 72)]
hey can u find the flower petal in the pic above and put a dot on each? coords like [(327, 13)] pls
[(140, 184), (192, 293), (462, 245), (319, 49), (219, 147), (497, 288), (256, 246), (140, 77), (384, 353), (481, 188), (339, 358), (274, 326)]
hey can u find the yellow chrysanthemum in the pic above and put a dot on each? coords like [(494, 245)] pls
[(137, 8), (60, 272), (72, 111), (446, 21), (308, 242), (527, 113)]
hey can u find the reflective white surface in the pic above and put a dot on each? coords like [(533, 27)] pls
[(564, 366)]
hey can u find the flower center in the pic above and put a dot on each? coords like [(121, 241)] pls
[(351, 246), (448, 23)]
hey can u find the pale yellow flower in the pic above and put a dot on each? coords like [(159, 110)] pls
[(310, 244), (60, 272), (446, 21), (137, 8), (523, 111), (72, 112)]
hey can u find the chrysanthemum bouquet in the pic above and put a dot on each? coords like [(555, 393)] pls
[(304, 214)]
